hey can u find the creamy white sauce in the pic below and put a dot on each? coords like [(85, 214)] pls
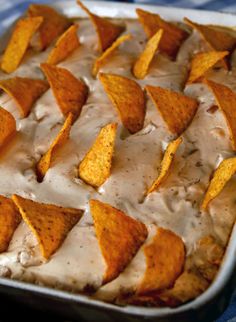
[(175, 206)]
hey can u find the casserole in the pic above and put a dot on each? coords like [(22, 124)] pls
[(100, 8)]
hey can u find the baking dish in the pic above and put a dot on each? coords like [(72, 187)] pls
[(213, 300)]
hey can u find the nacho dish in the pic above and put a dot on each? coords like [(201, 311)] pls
[(117, 160)]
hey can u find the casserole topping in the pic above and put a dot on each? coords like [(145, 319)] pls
[(117, 168)]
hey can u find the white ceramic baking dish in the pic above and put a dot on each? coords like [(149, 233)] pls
[(204, 308)]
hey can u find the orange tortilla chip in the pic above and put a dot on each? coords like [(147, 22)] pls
[(217, 39), (49, 223), (100, 61), (107, 31), (166, 164), (53, 24), (19, 42), (142, 64), (64, 46), (222, 175), (119, 237), (165, 257), (176, 109), (226, 100), (202, 62), (24, 91), (7, 127), (70, 92), (9, 220), (46, 160), (95, 167), (173, 36), (128, 98)]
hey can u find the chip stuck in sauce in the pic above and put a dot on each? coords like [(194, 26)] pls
[(53, 24), (119, 236), (143, 62), (19, 42), (95, 167), (128, 98), (24, 91), (165, 164), (46, 160), (49, 223), (70, 93), (165, 257), (64, 46), (173, 36), (107, 31), (176, 109)]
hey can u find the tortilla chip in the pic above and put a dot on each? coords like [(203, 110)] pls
[(7, 127), (54, 24), (119, 237), (226, 100), (70, 92), (176, 109), (188, 286), (128, 98), (142, 64), (166, 164), (217, 39), (46, 160), (222, 175), (173, 36), (202, 62), (100, 61), (24, 91), (19, 42), (64, 46), (165, 257), (49, 223), (107, 31), (9, 220), (95, 167)]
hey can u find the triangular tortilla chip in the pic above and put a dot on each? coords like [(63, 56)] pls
[(119, 237), (128, 98), (9, 220), (53, 24), (217, 39), (49, 223), (107, 31), (173, 36), (7, 126), (64, 46), (24, 91), (222, 175), (165, 257), (176, 109), (165, 164), (18, 43), (46, 160), (95, 167), (100, 61), (226, 100), (202, 62), (141, 66), (70, 92)]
